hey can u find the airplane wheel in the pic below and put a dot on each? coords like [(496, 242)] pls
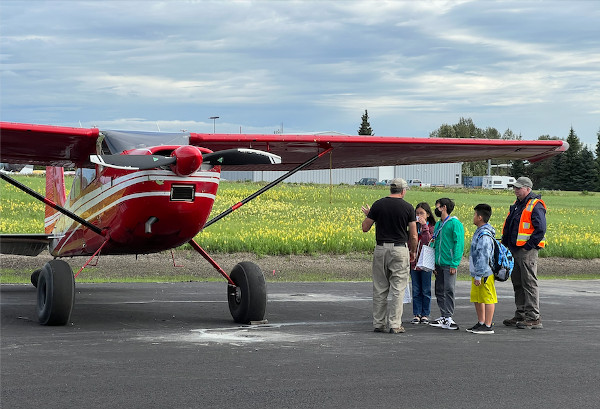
[(55, 293), (248, 300), (35, 276)]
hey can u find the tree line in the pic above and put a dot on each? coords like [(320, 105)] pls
[(578, 169)]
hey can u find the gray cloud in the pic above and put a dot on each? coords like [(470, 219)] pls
[(527, 65)]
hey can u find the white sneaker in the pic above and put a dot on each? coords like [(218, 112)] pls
[(449, 324), (438, 322)]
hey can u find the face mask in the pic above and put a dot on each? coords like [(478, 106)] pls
[(438, 212)]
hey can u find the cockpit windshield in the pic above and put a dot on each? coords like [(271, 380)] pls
[(119, 141)]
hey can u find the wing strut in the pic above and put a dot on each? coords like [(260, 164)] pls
[(265, 188), (53, 205)]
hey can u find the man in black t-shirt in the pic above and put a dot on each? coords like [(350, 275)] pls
[(395, 233)]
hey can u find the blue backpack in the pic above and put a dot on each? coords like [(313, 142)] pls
[(503, 262)]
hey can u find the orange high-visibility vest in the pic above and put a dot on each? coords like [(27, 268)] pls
[(525, 226)]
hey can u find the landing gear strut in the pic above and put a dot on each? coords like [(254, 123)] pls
[(247, 289)]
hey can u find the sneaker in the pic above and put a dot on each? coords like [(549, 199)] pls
[(398, 330), (483, 329), (378, 329), (474, 327), (530, 324), (437, 323), (512, 322), (450, 324), (425, 320), (416, 320)]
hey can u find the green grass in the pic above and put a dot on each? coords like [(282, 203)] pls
[(314, 219), (296, 219)]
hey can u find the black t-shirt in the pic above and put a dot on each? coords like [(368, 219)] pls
[(392, 215)]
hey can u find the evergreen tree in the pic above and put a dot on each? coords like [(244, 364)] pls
[(588, 175), (551, 176), (568, 175), (518, 169), (597, 188), (598, 147), (365, 126), (542, 173)]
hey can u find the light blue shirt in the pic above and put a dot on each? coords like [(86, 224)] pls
[(482, 252)]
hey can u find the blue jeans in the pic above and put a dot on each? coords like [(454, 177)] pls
[(421, 292)]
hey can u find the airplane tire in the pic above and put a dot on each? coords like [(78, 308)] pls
[(55, 293), (248, 299), (35, 276)]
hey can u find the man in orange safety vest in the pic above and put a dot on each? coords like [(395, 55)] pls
[(523, 233)]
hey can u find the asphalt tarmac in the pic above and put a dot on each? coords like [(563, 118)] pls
[(176, 346)]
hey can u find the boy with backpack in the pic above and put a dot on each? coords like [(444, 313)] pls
[(481, 260)]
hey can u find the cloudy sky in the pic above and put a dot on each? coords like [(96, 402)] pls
[(531, 66)]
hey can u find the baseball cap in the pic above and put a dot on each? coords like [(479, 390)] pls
[(523, 181), (399, 183)]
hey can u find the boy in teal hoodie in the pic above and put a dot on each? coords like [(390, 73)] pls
[(449, 242)]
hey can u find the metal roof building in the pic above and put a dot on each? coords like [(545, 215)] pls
[(447, 174)]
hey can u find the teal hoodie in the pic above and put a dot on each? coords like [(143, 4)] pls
[(449, 243)]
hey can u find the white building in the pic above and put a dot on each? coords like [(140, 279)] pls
[(447, 174)]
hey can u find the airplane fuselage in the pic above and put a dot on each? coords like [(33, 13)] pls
[(142, 211)]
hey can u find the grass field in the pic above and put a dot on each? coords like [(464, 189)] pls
[(314, 219)]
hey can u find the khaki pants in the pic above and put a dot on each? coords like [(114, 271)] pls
[(391, 269), (525, 283)]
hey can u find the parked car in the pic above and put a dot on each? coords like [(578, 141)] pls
[(384, 182), (417, 182), (367, 181)]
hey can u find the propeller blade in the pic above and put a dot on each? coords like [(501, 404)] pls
[(241, 156), (132, 162)]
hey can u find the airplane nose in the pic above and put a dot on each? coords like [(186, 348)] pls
[(189, 159)]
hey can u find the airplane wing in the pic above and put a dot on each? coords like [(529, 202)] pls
[(65, 146), (47, 145), (362, 151)]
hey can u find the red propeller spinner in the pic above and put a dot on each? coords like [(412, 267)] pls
[(188, 160)]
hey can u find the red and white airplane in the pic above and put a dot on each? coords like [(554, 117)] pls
[(145, 192)]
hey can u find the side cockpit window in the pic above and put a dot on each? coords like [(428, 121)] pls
[(83, 177), (87, 177)]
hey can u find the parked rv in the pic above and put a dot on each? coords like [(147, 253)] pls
[(497, 182)]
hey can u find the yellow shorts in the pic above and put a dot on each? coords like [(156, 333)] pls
[(485, 293)]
